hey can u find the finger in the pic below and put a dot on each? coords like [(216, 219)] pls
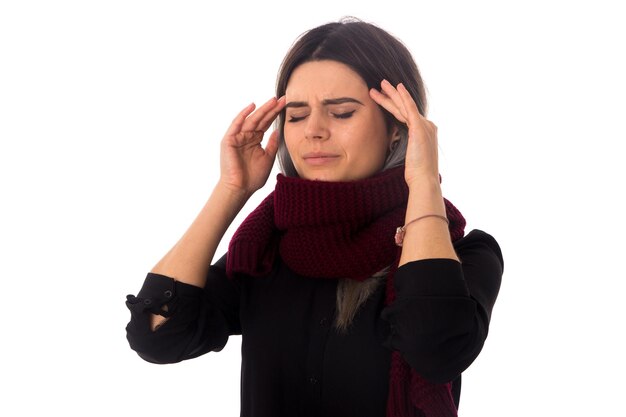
[(239, 120), (415, 115), (387, 103), (253, 121), (269, 118), (248, 138), (412, 112), (409, 103), (380, 98), (393, 93), (272, 144)]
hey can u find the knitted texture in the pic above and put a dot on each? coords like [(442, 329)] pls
[(342, 230)]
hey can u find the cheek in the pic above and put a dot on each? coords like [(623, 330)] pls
[(376, 152), (373, 137), (290, 143), (288, 135), (293, 130)]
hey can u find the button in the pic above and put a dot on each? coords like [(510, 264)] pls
[(324, 322), (147, 301), (313, 380), (168, 294)]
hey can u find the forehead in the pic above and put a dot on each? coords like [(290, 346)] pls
[(325, 79)]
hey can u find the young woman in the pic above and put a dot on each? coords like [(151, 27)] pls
[(341, 312)]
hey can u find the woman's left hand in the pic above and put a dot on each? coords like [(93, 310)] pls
[(421, 155)]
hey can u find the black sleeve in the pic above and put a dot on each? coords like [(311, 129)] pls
[(198, 320), (440, 318)]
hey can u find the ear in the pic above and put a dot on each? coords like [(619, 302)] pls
[(394, 138)]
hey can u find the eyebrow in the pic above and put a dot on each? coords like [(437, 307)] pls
[(326, 102)]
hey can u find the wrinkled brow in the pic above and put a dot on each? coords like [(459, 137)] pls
[(326, 102)]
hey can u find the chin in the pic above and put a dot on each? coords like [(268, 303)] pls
[(323, 176), (329, 174), (333, 178)]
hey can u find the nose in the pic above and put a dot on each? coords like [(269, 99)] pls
[(316, 127)]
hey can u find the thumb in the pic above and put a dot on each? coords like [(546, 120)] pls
[(272, 144)]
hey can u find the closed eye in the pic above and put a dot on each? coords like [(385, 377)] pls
[(293, 119), (344, 115)]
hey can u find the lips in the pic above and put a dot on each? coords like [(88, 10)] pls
[(319, 158), (319, 155)]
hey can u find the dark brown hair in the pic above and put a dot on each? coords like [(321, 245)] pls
[(368, 50)]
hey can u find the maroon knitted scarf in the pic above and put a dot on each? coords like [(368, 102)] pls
[(342, 230)]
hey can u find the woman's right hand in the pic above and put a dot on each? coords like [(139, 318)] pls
[(244, 164)]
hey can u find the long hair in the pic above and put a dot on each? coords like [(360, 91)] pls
[(375, 55)]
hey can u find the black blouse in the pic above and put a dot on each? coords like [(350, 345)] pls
[(294, 361)]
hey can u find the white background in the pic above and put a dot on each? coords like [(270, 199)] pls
[(111, 114)]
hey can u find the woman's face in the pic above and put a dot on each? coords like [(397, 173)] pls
[(333, 131)]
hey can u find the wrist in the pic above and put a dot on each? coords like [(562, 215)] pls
[(425, 197), (226, 191), (425, 186)]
